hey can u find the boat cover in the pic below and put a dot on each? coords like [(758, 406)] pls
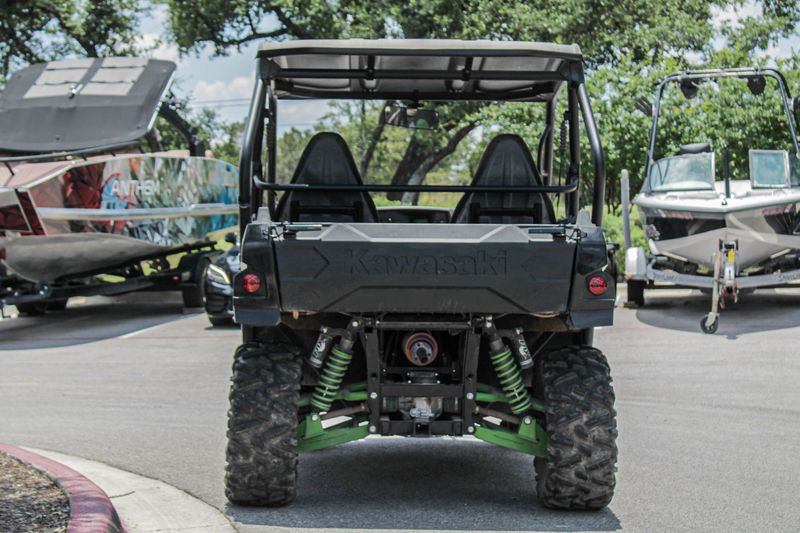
[(81, 103)]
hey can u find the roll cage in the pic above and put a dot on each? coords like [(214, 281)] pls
[(745, 72), (475, 70)]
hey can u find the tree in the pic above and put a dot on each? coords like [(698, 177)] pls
[(34, 31), (609, 30)]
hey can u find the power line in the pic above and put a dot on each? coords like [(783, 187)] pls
[(220, 103), (216, 106), (220, 100)]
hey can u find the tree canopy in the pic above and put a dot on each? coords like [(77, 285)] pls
[(34, 31), (628, 45)]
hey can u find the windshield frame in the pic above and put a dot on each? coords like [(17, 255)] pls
[(713, 74)]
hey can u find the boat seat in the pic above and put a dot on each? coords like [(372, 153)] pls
[(695, 148), (326, 160), (505, 162)]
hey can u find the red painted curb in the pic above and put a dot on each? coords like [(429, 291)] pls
[(91, 510)]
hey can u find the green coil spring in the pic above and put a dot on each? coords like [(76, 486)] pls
[(511, 380), (330, 380)]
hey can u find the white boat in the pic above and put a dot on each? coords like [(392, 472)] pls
[(722, 235)]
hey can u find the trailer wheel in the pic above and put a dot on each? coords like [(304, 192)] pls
[(709, 326), (636, 292), (262, 423), (32, 309), (57, 305), (579, 469), (218, 321), (194, 293)]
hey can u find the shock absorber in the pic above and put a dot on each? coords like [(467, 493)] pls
[(332, 375), (505, 365)]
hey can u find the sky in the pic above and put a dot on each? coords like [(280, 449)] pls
[(222, 83), (225, 83)]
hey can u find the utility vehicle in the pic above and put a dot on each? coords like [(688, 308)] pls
[(723, 236), (481, 326)]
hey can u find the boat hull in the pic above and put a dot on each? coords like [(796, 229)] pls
[(754, 247), (61, 220), (694, 236)]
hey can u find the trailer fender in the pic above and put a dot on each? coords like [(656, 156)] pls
[(635, 263)]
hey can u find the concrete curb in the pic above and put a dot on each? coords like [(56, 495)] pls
[(91, 511), (147, 505)]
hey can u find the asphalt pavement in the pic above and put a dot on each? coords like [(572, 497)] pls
[(709, 424)]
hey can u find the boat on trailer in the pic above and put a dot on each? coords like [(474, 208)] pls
[(722, 236), (90, 201)]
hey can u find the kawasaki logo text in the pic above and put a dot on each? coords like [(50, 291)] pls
[(481, 263)]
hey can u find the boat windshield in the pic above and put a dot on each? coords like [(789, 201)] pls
[(690, 172), (769, 169)]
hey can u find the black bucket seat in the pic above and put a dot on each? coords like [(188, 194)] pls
[(326, 160), (505, 162)]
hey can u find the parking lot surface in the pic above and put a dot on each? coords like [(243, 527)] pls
[(709, 425)]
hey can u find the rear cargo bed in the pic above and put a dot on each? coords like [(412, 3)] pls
[(423, 268)]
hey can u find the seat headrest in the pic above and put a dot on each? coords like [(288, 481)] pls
[(695, 148), (507, 161), (327, 160)]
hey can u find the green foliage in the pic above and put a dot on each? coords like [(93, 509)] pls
[(221, 139), (725, 113), (628, 44), (33, 31), (290, 147), (607, 30)]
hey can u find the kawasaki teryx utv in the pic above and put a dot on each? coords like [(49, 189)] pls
[(358, 324)]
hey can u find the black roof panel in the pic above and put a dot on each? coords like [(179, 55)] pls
[(419, 69)]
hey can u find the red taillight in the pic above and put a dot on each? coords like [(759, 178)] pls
[(598, 286), (251, 283)]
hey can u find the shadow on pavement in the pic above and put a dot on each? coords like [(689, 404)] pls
[(763, 310), (431, 484), (95, 319)]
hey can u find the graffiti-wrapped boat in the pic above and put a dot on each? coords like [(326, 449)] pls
[(91, 201)]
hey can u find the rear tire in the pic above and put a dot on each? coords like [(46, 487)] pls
[(579, 469), (192, 297), (262, 423), (636, 292)]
